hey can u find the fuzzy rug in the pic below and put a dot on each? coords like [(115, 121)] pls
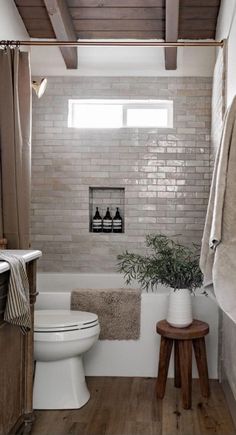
[(118, 310)]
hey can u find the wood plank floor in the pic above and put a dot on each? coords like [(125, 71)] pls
[(128, 406)]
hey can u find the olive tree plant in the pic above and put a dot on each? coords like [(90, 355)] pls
[(167, 262)]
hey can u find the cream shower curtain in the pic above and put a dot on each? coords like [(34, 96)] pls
[(15, 147), (218, 255)]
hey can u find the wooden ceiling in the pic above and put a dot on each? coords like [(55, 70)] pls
[(123, 19), (142, 19)]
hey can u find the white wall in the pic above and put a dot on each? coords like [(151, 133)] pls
[(226, 28), (11, 24), (124, 61), (225, 18)]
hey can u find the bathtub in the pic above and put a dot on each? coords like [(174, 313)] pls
[(127, 357)]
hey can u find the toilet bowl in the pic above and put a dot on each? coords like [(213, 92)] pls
[(61, 337)]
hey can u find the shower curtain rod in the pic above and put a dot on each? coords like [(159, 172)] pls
[(121, 43)]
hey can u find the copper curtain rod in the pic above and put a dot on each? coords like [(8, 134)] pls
[(88, 42)]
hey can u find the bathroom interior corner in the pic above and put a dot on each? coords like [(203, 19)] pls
[(118, 213)]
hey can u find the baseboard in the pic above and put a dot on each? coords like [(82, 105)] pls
[(230, 399)]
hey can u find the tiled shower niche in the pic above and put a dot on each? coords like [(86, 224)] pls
[(103, 197)]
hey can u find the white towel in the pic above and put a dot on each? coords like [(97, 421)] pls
[(17, 310), (218, 254)]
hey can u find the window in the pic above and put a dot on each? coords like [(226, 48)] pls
[(120, 113)]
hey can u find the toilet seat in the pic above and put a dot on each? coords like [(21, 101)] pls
[(47, 321)]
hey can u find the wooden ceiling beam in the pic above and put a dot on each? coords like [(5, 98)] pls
[(63, 28), (171, 33)]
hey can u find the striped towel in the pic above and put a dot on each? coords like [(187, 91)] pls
[(17, 311)]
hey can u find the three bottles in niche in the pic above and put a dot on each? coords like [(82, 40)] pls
[(107, 224)]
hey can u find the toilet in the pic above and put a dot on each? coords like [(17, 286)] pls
[(61, 337)]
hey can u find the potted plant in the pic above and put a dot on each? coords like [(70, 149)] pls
[(168, 263)]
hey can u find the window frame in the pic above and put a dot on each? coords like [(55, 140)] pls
[(126, 105)]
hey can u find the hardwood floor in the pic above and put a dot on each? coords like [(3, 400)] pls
[(128, 406)]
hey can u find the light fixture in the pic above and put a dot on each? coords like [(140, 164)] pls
[(39, 86)]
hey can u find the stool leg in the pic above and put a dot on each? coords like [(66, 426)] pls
[(201, 360), (177, 367), (164, 360), (185, 356)]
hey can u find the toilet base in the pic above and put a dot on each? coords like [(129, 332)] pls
[(60, 384)]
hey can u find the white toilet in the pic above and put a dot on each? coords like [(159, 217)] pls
[(61, 337)]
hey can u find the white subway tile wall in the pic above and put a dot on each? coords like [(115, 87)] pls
[(165, 173)]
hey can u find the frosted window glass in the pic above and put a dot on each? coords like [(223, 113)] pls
[(147, 117), (97, 116)]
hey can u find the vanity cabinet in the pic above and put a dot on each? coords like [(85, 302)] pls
[(16, 364)]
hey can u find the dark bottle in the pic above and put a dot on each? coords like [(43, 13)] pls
[(107, 222), (97, 222), (117, 222)]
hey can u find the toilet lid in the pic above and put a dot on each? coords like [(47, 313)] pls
[(55, 320)]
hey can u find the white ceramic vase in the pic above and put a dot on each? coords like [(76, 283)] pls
[(179, 312)]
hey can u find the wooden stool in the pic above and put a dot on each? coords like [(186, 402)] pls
[(183, 339)]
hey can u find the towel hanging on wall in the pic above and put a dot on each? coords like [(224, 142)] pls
[(218, 254)]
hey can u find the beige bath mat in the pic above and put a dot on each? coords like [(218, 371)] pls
[(118, 310)]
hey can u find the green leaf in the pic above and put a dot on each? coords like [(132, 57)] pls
[(168, 263)]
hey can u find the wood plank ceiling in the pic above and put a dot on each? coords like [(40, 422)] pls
[(124, 19)]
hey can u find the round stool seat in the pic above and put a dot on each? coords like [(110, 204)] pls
[(196, 330)]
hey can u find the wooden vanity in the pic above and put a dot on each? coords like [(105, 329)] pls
[(16, 358)]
